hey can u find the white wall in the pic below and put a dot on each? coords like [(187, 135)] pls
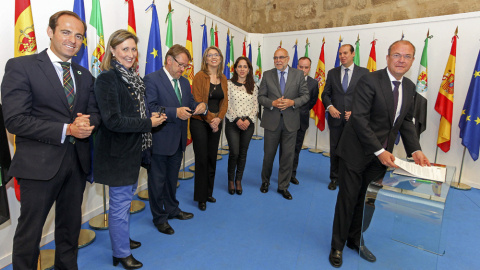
[(115, 16)]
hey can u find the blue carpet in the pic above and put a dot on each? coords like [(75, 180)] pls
[(265, 231)]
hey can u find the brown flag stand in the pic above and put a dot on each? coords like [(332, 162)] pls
[(46, 259), (315, 150), (184, 175), (100, 222)]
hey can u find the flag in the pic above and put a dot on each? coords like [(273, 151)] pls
[(132, 27), (444, 103), (99, 52), (188, 73), (420, 113), (154, 49), (318, 111), (232, 57), (306, 48), (372, 59), (250, 52), (81, 57), (244, 51), (356, 58), (295, 56), (204, 39), (470, 120), (258, 71), (216, 36), (169, 38), (5, 160), (212, 36), (337, 59), (25, 42), (226, 69)]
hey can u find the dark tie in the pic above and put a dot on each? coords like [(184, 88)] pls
[(177, 91), (345, 80), (282, 82), (395, 97), (68, 84)]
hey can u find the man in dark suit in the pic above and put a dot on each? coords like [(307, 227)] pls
[(282, 92), (337, 99), (304, 64), (382, 106), (167, 89), (52, 117)]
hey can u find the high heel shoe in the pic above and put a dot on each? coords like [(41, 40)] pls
[(134, 244), (231, 187), (128, 262), (239, 189)]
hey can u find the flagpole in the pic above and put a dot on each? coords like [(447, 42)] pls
[(220, 151), (100, 222), (458, 185), (183, 175), (315, 150)]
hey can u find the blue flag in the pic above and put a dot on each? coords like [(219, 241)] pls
[(295, 57), (470, 119), (337, 60), (250, 52), (204, 39), (226, 69), (154, 50), (81, 57)]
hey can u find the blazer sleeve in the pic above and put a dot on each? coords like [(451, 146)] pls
[(107, 93), (313, 93), (224, 102), (17, 100), (407, 129), (263, 98), (255, 104), (327, 91), (303, 93)]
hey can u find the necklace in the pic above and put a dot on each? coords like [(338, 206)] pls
[(210, 93)]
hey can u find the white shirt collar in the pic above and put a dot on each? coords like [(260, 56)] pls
[(54, 58), (393, 78)]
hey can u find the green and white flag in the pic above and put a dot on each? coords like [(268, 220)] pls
[(420, 114), (356, 58), (258, 71), (212, 36), (169, 39), (306, 48)]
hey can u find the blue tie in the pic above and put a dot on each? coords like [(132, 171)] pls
[(395, 96), (282, 82), (345, 81)]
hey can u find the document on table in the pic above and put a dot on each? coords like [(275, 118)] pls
[(411, 169)]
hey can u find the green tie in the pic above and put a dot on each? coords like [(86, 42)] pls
[(177, 91)]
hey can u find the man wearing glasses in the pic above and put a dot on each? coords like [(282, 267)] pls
[(168, 92), (282, 92), (382, 106)]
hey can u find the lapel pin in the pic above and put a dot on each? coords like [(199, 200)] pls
[(79, 72)]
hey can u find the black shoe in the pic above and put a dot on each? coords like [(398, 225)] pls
[(134, 244), (231, 188), (211, 199), (183, 215), (202, 206), (285, 194), (128, 262), (335, 258), (363, 250), (165, 228), (332, 185), (264, 187), (238, 187), (294, 181)]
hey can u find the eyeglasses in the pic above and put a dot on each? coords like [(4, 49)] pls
[(180, 65), (213, 55), (279, 57), (398, 56)]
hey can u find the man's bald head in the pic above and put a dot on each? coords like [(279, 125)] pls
[(280, 58)]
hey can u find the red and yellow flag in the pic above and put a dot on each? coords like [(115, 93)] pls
[(318, 111), (132, 27), (188, 73), (216, 36), (24, 36), (244, 51), (372, 59), (444, 103)]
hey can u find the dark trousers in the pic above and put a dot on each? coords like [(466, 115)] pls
[(298, 148), (205, 147), (286, 139), (335, 133), (162, 186), (353, 182), (37, 197), (238, 142)]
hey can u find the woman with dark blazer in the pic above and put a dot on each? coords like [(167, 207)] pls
[(240, 120), (123, 138), (209, 86)]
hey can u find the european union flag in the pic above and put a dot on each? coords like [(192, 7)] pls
[(204, 39), (154, 50), (337, 60), (250, 52), (81, 57), (295, 58), (226, 68), (470, 120)]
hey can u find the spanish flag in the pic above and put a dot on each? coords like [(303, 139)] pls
[(372, 59), (24, 37), (444, 103), (318, 111), (132, 27), (188, 73)]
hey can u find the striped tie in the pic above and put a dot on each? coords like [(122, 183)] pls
[(68, 84)]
